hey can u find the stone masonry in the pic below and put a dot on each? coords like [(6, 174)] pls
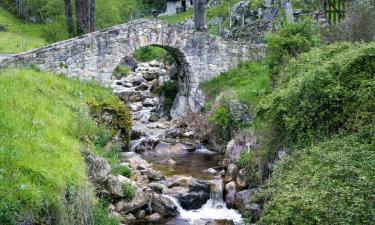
[(94, 57)]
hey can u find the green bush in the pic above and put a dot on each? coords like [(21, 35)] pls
[(290, 41), (169, 90), (122, 170), (101, 216), (328, 183), (129, 191), (121, 71), (324, 91), (221, 117), (149, 53)]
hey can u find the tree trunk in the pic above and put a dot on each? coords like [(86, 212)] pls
[(92, 16), (80, 25), (69, 17), (200, 15), (86, 16)]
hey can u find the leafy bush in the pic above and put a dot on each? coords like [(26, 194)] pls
[(149, 53), (328, 183), (169, 90), (324, 91), (290, 41), (121, 71), (358, 25), (122, 170), (221, 117), (129, 191)]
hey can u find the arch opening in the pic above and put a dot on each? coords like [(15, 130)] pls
[(158, 76)]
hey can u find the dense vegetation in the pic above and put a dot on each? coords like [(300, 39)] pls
[(45, 124), (321, 110)]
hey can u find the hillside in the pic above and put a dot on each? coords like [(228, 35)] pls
[(46, 125)]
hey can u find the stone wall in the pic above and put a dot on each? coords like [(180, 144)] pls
[(94, 57)]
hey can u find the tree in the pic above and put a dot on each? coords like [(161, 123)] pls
[(200, 15), (69, 17), (92, 16), (85, 16)]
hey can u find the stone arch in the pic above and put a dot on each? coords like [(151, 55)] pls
[(93, 57)]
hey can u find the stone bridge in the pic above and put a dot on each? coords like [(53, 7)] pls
[(94, 57)]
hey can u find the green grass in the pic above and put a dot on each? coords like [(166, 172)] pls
[(218, 11), (173, 19), (249, 80), (45, 123), (19, 36)]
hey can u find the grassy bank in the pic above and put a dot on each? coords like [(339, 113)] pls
[(45, 124), (19, 36)]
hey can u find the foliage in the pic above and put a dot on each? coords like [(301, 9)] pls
[(323, 108), (121, 71), (328, 183), (248, 80), (149, 53), (358, 25), (129, 191), (290, 41), (122, 170), (52, 128), (169, 90), (324, 91), (18, 36), (221, 117), (101, 216)]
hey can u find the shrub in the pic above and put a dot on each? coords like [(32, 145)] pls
[(290, 41), (318, 101), (328, 183), (169, 90), (221, 117), (101, 216), (149, 53), (358, 25), (129, 191), (122, 170), (121, 71)]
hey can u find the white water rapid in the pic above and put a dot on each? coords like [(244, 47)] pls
[(214, 209)]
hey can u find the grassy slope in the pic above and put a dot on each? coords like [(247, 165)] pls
[(19, 36), (43, 120), (218, 11)]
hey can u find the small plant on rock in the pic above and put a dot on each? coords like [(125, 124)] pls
[(129, 191)]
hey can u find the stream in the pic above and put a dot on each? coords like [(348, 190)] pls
[(174, 156)]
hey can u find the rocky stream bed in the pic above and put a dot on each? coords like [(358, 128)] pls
[(177, 180)]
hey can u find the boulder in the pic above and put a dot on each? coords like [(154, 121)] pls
[(173, 132), (135, 106), (97, 167), (157, 187), (137, 163), (154, 117), (142, 87), (230, 190), (231, 172), (193, 200), (140, 199), (242, 199), (153, 217), (137, 79), (150, 101), (154, 175), (164, 205), (114, 186), (255, 212), (141, 214)]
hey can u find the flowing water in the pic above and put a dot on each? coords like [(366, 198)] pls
[(192, 164)]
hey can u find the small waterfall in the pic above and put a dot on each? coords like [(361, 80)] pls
[(214, 209)]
